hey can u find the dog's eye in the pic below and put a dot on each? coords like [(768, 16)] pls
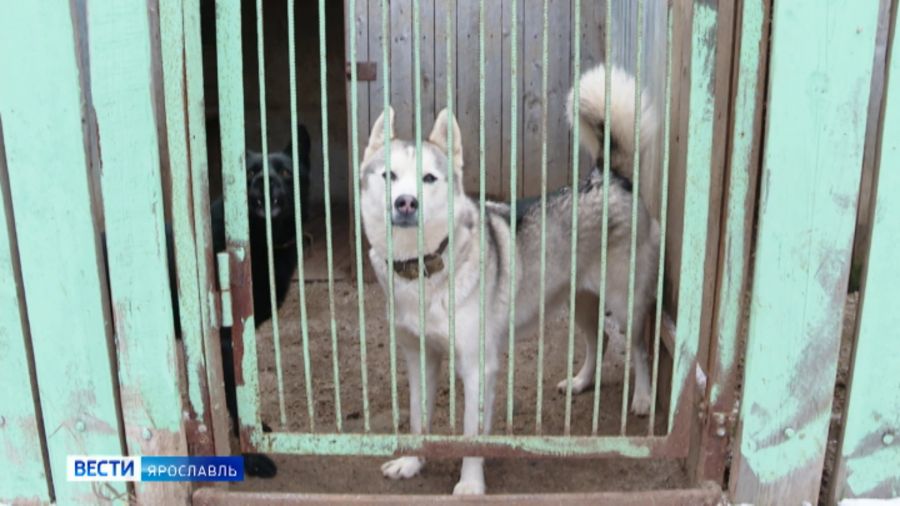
[(393, 175), (429, 178)]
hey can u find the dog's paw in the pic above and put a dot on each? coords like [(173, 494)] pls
[(469, 487), (404, 467), (640, 404), (259, 465), (578, 385)]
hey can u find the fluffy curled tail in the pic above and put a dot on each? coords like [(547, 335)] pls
[(592, 114)]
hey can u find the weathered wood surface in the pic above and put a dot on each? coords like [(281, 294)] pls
[(821, 64), (24, 478), (44, 112), (123, 99), (367, 19), (868, 462), (737, 217)]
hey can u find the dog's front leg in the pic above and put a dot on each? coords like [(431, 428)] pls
[(471, 476), (407, 467)]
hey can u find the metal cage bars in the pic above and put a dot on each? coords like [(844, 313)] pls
[(229, 51)]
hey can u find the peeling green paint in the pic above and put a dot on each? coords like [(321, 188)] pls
[(391, 444), (869, 462), (122, 94), (696, 200), (23, 477), (44, 113), (821, 64), (731, 290), (171, 39), (229, 57)]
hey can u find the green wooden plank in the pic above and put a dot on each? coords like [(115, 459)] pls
[(172, 53), (121, 89), (237, 228), (42, 108), (724, 374), (206, 271), (204, 435), (24, 478), (696, 203), (821, 64), (736, 249), (869, 460)]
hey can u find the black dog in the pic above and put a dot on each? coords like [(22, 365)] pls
[(281, 194), (284, 254)]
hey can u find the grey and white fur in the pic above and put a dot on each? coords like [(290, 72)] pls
[(434, 208)]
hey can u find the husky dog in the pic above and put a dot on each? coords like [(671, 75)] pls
[(498, 222)]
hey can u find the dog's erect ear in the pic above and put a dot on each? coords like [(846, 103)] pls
[(302, 145), (376, 138), (251, 159), (440, 137)]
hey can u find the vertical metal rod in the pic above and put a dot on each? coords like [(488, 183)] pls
[(663, 218), (513, 187), (420, 229), (276, 337), (360, 288), (482, 216), (323, 83), (604, 227), (635, 202), (229, 44), (573, 267), (451, 217), (542, 299), (389, 228), (298, 222)]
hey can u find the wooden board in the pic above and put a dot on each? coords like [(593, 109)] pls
[(698, 181), (376, 89), (119, 44), (444, 9), (468, 94), (498, 99), (401, 68), (821, 64), (868, 463), (21, 431), (737, 217), (43, 109), (559, 83)]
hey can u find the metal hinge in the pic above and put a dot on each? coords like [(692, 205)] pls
[(724, 422), (224, 275)]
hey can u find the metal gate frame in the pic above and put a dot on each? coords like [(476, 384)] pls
[(727, 84), (697, 269)]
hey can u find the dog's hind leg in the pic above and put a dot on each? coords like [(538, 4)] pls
[(587, 318), (407, 467)]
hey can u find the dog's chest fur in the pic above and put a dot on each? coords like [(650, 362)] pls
[(437, 312)]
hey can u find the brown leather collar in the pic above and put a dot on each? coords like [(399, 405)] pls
[(434, 263)]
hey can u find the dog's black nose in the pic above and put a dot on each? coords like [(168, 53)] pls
[(406, 204)]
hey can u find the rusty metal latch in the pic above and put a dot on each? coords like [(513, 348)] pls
[(224, 275), (365, 71)]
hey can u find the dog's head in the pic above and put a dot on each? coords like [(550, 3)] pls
[(281, 178), (405, 206)]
